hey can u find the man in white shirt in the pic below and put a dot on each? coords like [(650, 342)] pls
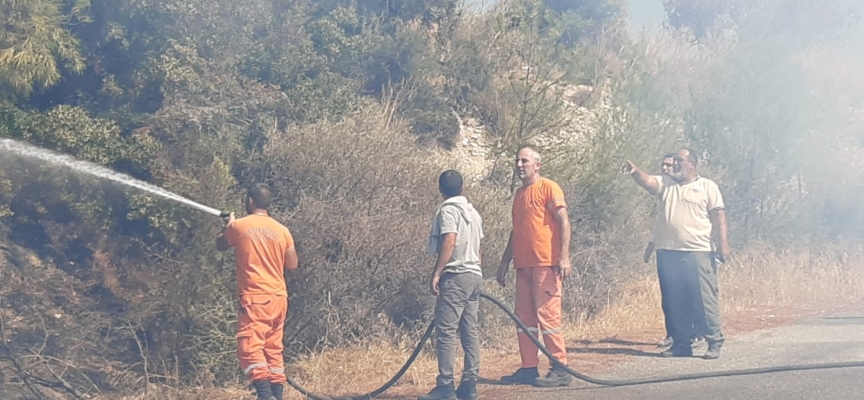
[(457, 280), (691, 207)]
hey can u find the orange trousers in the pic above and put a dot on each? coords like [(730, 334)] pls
[(259, 336), (538, 305)]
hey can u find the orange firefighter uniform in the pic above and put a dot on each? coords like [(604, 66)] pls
[(260, 245), (536, 251)]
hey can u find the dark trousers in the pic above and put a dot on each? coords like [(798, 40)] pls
[(691, 296), (663, 278), (664, 296)]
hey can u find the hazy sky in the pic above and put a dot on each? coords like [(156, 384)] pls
[(643, 12), (649, 14)]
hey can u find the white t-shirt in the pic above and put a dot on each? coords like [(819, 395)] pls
[(683, 221)]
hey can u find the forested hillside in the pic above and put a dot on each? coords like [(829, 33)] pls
[(349, 110)]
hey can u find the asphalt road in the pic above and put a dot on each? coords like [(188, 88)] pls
[(822, 339)]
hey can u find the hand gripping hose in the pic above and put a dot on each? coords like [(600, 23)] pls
[(555, 362)]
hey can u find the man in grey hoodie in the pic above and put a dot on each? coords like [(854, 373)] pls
[(457, 281)]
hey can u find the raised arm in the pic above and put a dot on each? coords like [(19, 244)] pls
[(646, 181), (222, 242)]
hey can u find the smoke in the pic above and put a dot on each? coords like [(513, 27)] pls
[(771, 91)]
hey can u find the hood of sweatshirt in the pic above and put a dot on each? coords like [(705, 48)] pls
[(462, 204)]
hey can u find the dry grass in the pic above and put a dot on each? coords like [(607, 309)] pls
[(761, 278)]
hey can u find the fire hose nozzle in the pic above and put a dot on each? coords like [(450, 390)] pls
[(224, 214)]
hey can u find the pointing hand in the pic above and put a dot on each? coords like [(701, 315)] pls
[(628, 167)]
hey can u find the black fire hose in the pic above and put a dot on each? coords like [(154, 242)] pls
[(384, 387), (554, 361), (631, 382)]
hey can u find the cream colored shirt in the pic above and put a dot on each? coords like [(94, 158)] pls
[(683, 221)]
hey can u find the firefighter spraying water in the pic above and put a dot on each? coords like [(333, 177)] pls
[(264, 250)]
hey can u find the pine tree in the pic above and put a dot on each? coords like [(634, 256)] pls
[(35, 41)]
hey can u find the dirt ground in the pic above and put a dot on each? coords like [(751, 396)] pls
[(600, 355)]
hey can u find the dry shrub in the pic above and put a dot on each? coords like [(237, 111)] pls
[(360, 196)]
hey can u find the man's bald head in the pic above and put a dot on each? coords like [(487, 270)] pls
[(687, 155), (684, 166), (531, 152), (528, 165)]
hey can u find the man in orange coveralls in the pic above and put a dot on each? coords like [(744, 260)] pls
[(539, 247), (264, 249)]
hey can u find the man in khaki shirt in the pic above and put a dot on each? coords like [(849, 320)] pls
[(691, 207)]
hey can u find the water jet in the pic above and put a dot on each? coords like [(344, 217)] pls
[(28, 151)]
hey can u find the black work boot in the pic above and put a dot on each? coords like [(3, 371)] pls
[(440, 393), (277, 389), (467, 390), (556, 377), (675, 351), (666, 343), (713, 352), (263, 389), (522, 376)]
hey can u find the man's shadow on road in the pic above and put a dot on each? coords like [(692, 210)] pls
[(612, 351), (623, 342), (585, 350)]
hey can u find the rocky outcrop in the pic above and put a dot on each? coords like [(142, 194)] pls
[(584, 108)]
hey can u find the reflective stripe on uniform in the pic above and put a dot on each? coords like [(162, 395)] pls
[(253, 366)]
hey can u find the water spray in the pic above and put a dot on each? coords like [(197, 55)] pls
[(26, 150)]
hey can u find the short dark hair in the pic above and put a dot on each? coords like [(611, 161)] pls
[(450, 183), (261, 195), (668, 155)]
